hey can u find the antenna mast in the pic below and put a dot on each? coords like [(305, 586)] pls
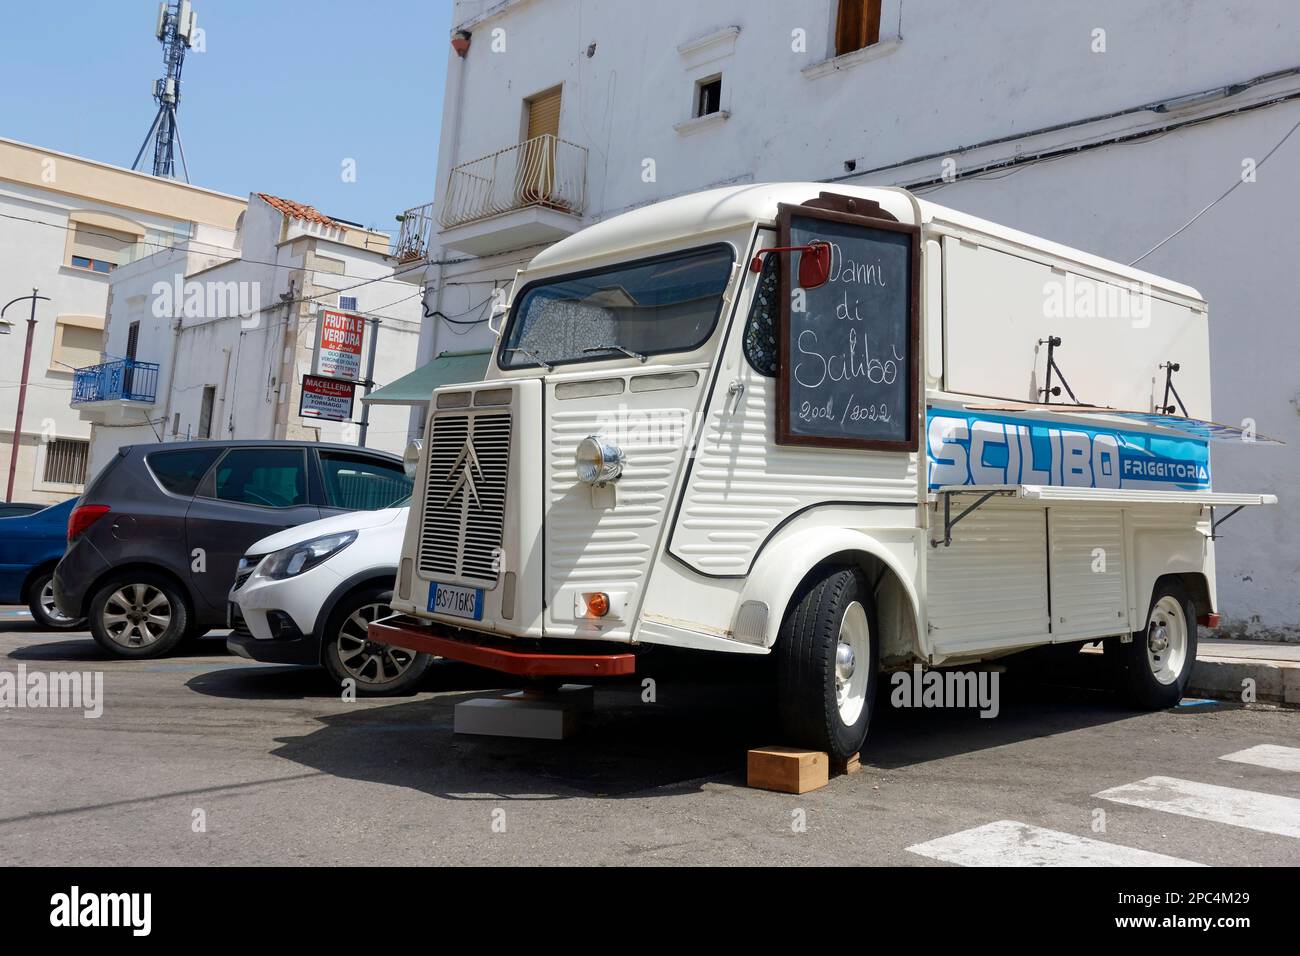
[(175, 31)]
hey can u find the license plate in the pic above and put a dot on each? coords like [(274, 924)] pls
[(456, 601)]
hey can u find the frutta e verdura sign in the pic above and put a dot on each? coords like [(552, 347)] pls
[(341, 337)]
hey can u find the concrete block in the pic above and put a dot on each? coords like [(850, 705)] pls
[(546, 719)]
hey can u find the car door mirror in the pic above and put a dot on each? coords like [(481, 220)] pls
[(814, 265)]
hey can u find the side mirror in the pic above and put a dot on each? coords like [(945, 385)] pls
[(815, 265)]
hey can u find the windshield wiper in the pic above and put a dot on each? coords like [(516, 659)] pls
[(534, 356), (617, 348)]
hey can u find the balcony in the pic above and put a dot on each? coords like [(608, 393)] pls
[(526, 195), (108, 393)]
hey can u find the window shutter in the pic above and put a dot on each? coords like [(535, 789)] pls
[(857, 25), (96, 242), (544, 113)]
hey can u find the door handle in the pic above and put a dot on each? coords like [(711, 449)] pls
[(735, 393)]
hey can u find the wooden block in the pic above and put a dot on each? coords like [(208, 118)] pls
[(849, 764), (788, 769)]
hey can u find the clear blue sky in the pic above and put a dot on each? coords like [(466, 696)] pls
[(286, 90)]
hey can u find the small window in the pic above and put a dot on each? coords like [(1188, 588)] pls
[(359, 483), (99, 249), (65, 461), (181, 471), (77, 341), (708, 96), (857, 25), (205, 411), (270, 477), (761, 327), (348, 303)]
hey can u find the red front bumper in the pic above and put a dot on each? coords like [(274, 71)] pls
[(520, 663)]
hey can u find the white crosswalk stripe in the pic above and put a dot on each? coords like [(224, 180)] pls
[(1011, 843), (1204, 801), (1268, 755)]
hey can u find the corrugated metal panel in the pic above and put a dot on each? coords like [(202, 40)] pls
[(1087, 572), (989, 587), (743, 484), (610, 547)]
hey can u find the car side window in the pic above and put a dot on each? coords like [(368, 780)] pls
[(360, 483), (181, 471), (764, 319), (270, 477)]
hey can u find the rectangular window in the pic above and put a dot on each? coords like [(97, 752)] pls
[(77, 341), (857, 25), (708, 96), (667, 303), (359, 483), (270, 477), (65, 461), (205, 411), (132, 339), (99, 249)]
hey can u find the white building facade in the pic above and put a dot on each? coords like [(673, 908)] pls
[(67, 224), (211, 338), (1107, 126)]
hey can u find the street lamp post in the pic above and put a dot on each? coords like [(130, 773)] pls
[(22, 388)]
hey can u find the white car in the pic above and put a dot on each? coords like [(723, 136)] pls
[(307, 594)]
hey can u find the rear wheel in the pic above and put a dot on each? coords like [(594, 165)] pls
[(138, 615), (378, 670), (45, 612), (827, 656), (1153, 669)]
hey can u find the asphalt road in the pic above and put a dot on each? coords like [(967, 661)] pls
[(279, 770)]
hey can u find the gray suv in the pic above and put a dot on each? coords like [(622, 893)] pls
[(154, 544)]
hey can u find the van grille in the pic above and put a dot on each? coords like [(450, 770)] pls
[(465, 497)]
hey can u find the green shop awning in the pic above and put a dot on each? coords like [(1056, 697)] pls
[(449, 368)]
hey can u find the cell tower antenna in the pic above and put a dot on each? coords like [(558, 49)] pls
[(175, 31)]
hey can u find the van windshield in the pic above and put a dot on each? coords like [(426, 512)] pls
[(636, 309)]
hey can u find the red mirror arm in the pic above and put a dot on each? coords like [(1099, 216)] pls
[(756, 264)]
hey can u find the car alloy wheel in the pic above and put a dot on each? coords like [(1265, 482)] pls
[(364, 660), (136, 615), (51, 609)]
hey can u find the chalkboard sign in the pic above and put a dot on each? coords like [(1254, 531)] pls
[(848, 347)]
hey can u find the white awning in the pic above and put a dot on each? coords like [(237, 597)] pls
[(1208, 499)]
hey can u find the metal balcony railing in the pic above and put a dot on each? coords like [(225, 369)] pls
[(416, 235), (120, 380), (544, 171)]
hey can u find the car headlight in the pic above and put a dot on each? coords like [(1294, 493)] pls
[(298, 558), (598, 460), (411, 457)]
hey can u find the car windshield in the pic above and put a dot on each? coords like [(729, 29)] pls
[(632, 310)]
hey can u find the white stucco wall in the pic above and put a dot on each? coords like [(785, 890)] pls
[(948, 77)]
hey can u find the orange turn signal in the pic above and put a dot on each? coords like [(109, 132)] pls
[(597, 603)]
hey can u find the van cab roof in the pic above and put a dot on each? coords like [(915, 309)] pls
[(732, 207)]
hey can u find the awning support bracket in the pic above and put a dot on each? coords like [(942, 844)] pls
[(949, 521), (1215, 522)]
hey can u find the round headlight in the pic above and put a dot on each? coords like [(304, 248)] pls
[(411, 457), (598, 460)]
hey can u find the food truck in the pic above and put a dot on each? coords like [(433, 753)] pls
[(843, 426)]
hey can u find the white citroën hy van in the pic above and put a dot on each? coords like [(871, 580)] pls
[(826, 424)]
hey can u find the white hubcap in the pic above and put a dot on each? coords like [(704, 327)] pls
[(1167, 640), (852, 655), (49, 607)]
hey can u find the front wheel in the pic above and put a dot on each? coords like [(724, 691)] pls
[(827, 657), (1154, 668), (45, 612), (376, 670)]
